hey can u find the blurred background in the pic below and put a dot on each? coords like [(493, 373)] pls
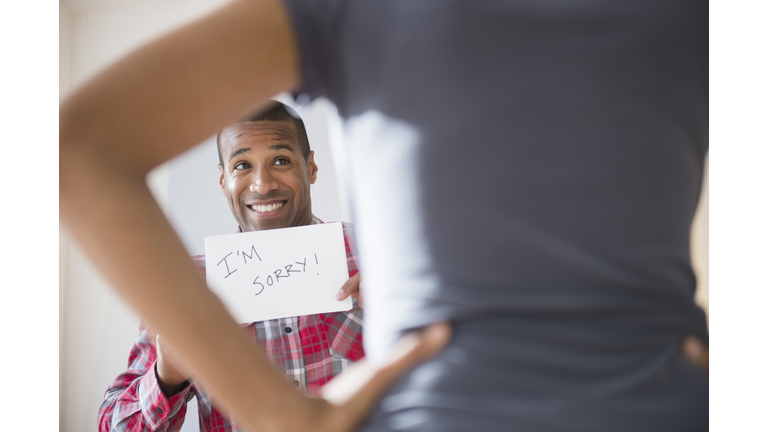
[(96, 330)]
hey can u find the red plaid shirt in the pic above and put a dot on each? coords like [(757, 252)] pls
[(309, 349)]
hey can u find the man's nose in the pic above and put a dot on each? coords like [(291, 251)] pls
[(263, 182)]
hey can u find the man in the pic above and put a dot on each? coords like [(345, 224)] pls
[(526, 170), (267, 168)]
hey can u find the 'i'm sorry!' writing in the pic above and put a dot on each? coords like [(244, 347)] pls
[(231, 264)]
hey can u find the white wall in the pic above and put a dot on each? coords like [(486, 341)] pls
[(96, 329), (64, 55)]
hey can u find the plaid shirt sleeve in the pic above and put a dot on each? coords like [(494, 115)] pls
[(345, 330), (134, 402)]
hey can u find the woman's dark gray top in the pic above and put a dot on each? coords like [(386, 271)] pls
[(528, 170)]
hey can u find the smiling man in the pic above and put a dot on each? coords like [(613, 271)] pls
[(266, 168)]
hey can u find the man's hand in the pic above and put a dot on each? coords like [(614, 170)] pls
[(170, 380), (351, 287)]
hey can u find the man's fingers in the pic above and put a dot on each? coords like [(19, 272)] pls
[(696, 352), (350, 286), (355, 392)]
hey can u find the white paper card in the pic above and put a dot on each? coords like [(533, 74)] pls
[(279, 273)]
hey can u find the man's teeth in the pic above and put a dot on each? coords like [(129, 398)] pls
[(266, 208)]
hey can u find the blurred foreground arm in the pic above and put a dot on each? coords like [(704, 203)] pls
[(154, 104)]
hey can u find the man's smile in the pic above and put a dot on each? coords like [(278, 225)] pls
[(266, 209)]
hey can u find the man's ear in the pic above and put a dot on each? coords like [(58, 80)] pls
[(312, 167), (221, 180)]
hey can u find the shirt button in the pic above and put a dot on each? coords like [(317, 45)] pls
[(159, 410), (288, 329), (295, 383)]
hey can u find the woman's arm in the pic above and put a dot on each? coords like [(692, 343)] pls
[(157, 102)]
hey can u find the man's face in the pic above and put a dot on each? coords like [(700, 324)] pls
[(265, 177)]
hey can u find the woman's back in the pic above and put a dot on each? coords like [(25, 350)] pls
[(540, 165)]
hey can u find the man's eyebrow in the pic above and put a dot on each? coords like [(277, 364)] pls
[(281, 147), (273, 147), (239, 151)]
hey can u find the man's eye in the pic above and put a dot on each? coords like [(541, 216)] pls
[(282, 161), (242, 166)]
